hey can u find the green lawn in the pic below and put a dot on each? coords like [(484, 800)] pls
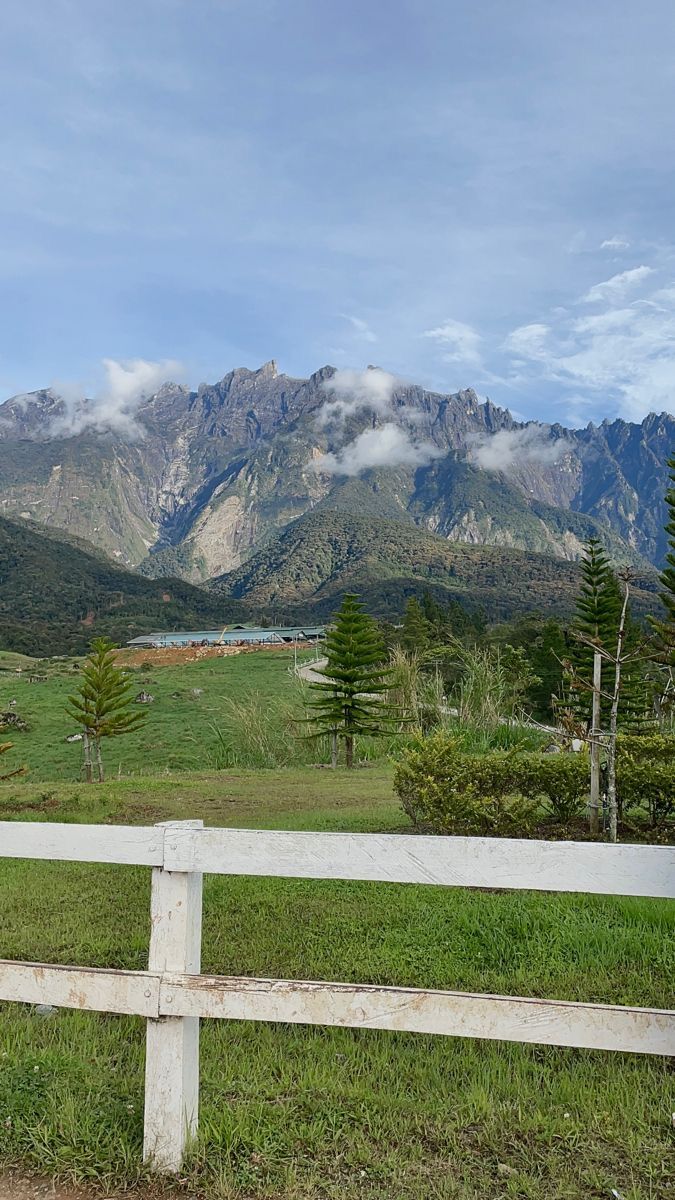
[(190, 707), (322, 1114)]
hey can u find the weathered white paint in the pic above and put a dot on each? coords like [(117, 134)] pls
[(173, 1002), (127, 992), (82, 843), (625, 870), (456, 1014), (172, 1048)]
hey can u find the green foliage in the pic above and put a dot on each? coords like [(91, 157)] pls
[(645, 774), (417, 695), (443, 787), (57, 591), (305, 571), (665, 628), (415, 633), (5, 747), (597, 612), (543, 641), (101, 705), (492, 683), (349, 701), (260, 731)]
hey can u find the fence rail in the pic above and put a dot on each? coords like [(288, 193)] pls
[(173, 996), (513, 863)]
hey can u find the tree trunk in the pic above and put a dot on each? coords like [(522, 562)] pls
[(86, 749), (594, 816), (334, 749), (99, 760), (613, 719), (349, 750)]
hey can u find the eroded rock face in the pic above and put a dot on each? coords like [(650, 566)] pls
[(210, 475)]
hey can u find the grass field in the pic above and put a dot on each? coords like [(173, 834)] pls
[(291, 1113), (191, 723), (316, 1113)]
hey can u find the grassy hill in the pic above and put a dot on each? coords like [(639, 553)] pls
[(308, 567), (57, 592)]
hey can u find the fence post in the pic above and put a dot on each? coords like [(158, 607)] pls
[(172, 1044)]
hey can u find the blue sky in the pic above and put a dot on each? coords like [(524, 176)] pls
[(466, 195)]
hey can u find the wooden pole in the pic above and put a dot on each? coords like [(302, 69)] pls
[(594, 822), (613, 721), (172, 1046)]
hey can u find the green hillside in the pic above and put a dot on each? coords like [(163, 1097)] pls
[(318, 557), (56, 593)]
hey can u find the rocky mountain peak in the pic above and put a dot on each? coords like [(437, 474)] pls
[(220, 469)]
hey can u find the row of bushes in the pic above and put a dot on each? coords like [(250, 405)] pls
[(445, 789)]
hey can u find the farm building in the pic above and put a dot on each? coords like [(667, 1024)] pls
[(238, 635)]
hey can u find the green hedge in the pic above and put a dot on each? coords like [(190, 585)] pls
[(645, 774), (499, 794)]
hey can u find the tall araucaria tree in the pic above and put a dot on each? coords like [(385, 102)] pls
[(596, 620), (664, 629), (350, 700), (101, 705)]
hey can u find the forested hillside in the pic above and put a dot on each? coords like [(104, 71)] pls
[(56, 593)]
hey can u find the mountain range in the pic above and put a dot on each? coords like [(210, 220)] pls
[(259, 479)]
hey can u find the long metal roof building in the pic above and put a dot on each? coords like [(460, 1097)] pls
[(279, 635)]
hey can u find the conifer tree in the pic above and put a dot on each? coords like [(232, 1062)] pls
[(350, 700), (415, 634), (598, 611), (101, 705), (665, 628)]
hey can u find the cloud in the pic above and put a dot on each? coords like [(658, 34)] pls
[(617, 286), (512, 448), (528, 341), (362, 327), (350, 391), (614, 243), (623, 355), (114, 408), (462, 341), (386, 446)]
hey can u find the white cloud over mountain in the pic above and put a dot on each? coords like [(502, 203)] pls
[(386, 445), (115, 404)]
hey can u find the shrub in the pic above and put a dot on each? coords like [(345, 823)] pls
[(499, 794), (645, 774)]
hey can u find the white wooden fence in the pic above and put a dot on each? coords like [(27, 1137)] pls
[(172, 994)]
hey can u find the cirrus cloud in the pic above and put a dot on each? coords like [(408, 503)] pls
[(461, 340), (623, 355), (618, 285)]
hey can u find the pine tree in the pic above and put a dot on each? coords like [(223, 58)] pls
[(415, 634), (665, 629), (101, 705), (350, 700), (598, 611)]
